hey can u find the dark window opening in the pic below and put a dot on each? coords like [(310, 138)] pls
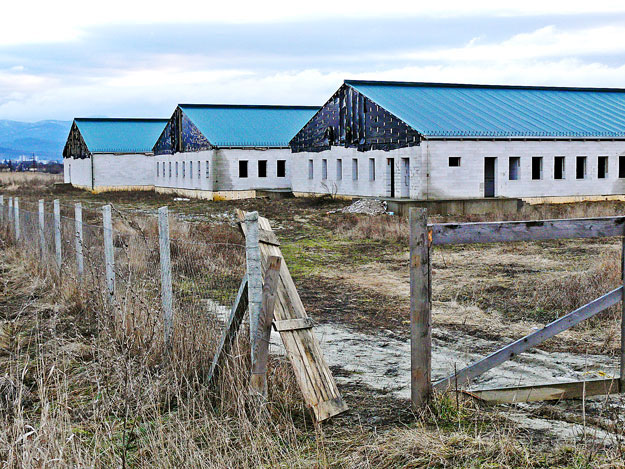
[(514, 164), (262, 168), (558, 167), (621, 166), (281, 169), (602, 167), (454, 161), (242, 169), (537, 167), (580, 169)]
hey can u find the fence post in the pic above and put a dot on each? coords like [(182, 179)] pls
[(166, 289), (255, 279), (57, 233), (42, 233), (10, 212), (16, 207), (109, 259), (420, 310), (1, 208), (622, 376), (79, 239), (258, 380)]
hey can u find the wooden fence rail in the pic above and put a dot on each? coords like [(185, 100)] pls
[(497, 232)]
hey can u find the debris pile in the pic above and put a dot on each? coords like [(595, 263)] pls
[(366, 206)]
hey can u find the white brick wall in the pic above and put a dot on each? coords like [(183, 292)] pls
[(363, 186), (123, 170), (467, 180), (77, 171), (127, 170), (224, 170), (431, 177)]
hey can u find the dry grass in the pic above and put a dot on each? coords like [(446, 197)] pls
[(377, 228), (80, 387), (28, 182)]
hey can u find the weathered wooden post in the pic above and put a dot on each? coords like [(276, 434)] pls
[(1, 208), (78, 240), (166, 288), (622, 377), (10, 212), (16, 217), (57, 233), (258, 379), (255, 279), (109, 256), (420, 309), (42, 233)]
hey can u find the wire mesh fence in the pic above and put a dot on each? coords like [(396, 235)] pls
[(207, 265)]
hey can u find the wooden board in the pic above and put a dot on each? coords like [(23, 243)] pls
[(497, 232), (237, 313), (311, 370), (548, 392), (519, 346)]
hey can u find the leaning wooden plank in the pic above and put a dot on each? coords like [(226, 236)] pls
[(258, 379), (311, 370), (497, 232), (565, 322), (237, 312), (548, 392), (292, 324)]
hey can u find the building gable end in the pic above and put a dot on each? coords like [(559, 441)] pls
[(351, 119)]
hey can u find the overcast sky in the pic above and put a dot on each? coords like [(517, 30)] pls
[(61, 59)]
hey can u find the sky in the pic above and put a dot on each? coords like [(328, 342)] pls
[(134, 58)]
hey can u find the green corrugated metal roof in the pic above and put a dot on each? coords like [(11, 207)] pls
[(103, 135), (457, 110), (248, 126)]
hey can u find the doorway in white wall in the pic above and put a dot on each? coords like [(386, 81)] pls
[(490, 170), (405, 177), (390, 175)]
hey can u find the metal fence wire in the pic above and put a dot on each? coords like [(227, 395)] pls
[(206, 267)]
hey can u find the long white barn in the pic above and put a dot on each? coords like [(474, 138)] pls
[(430, 141), (111, 154), (227, 151)]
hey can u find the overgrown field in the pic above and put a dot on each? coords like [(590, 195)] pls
[(80, 389)]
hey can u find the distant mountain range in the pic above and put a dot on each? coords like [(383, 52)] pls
[(45, 139)]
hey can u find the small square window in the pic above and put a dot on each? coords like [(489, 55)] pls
[(454, 161), (281, 169), (262, 168), (242, 169)]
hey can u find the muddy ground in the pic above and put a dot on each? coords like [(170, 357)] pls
[(354, 282)]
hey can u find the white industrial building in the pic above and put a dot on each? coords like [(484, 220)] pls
[(111, 154), (429, 141), (227, 151)]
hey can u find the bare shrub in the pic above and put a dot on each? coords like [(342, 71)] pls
[(379, 228)]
